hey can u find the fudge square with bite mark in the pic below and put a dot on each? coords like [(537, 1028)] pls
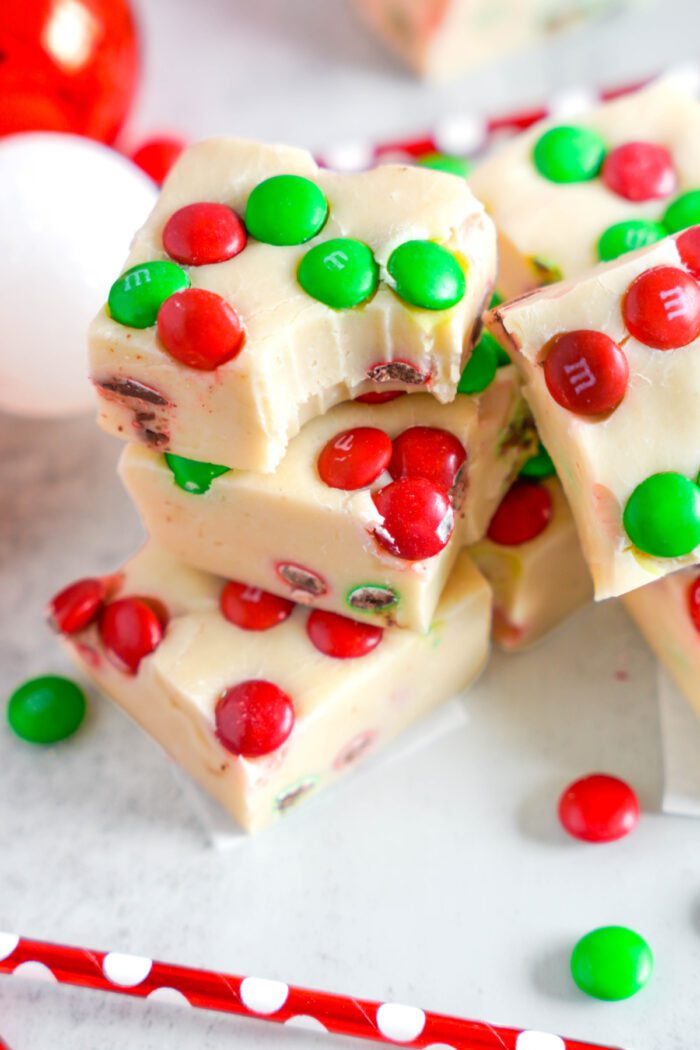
[(262, 290), (611, 370), (261, 701), (565, 196), (330, 527)]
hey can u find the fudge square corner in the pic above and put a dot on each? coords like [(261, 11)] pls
[(611, 370), (262, 290)]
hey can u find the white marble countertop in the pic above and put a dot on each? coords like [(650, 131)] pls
[(441, 879)]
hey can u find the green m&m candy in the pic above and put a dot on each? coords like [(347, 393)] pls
[(569, 154), (539, 466), (136, 297), (285, 209), (611, 963), (193, 476), (427, 275), (341, 273), (496, 300), (683, 212), (627, 236), (46, 709), (662, 516), (443, 162), (481, 367)]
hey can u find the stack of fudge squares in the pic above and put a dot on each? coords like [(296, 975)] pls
[(338, 469)]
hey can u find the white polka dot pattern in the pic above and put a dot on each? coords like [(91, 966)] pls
[(539, 1041), (400, 1023), (126, 970), (262, 996), (309, 1024), (8, 943), (34, 971), (459, 134), (169, 996)]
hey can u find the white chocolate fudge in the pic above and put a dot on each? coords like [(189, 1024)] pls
[(667, 613), (611, 370), (536, 583), (439, 39), (294, 534), (263, 290), (263, 718), (635, 158)]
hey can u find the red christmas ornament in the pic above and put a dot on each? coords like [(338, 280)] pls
[(379, 397), (253, 609), (76, 606), (200, 329), (418, 519), (694, 602), (354, 458), (204, 233), (156, 156), (688, 244), (639, 171), (253, 718), (67, 65), (599, 808), (523, 513), (130, 629), (661, 308), (341, 638), (428, 452), (586, 372)]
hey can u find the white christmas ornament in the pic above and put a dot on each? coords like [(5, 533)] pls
[(68, 209)]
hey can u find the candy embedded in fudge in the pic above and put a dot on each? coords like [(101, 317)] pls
[(667, 612), (263, 290), (365, 514), (611, 369), (565, 196), (532, 558), (261, 701), (442, 38)]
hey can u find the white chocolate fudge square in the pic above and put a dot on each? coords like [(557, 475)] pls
[(663, 611), (550, 230), (293, 534), (378, 284), (611, 370), (335, 709), (439, 39), (538, 583)]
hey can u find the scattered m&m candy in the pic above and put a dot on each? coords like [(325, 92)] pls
[(599, 808), (47, 709), (136, 297), (611, 963), (253, 718), (428, 452), (661, 308), (694, 602), (627, 236), (569, 154), (341, 273), (683, 212), (482, 366), (418, 518), (662, 516), (253, 609), (427, 275), (193, 475), (355, 458), (130, 629), (523, 513), (340, 637), (285, 209), (586, 372), (639, 171), (539, 465), (452, 165), (203, 233), (76, 606), (200, 329), (688, 244)]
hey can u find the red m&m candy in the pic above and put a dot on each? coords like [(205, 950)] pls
[(599, 808), (694, 602), (77, 605), (639, 171), (688, 244), (586, 372), (130, 629), (354, 458), (253, 718), (253, 609), (379, 397), (418, 519), (428, 452), (661, 308), (523, 513), (200, 329), (204, 233), (339, 637)]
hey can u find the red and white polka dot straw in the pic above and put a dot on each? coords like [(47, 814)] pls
[(266, 1000)]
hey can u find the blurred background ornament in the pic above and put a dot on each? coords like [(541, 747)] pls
[(68, 207), (157, 155), (67, 65)]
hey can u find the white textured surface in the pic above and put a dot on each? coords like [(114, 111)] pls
[(442, 880), (680, 736)]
